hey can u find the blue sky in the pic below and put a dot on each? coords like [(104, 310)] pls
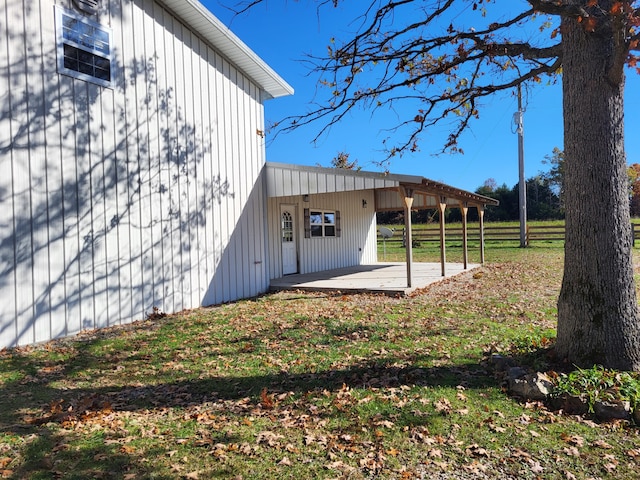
[(282, 32)]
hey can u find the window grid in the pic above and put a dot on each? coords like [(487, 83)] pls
[(287, 227), (323, 223)]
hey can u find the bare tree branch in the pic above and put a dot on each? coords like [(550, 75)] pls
[(433, 72)]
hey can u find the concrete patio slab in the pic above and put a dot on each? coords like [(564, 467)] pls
[(388, 278)]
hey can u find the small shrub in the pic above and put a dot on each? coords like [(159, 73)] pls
[(599, 384)]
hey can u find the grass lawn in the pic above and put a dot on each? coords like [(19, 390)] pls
[(309, 386)]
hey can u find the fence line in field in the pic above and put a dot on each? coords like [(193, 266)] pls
[(492, 233)]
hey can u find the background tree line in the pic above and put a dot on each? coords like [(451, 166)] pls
[(545, 197)]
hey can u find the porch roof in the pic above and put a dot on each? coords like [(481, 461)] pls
[(288, 180)]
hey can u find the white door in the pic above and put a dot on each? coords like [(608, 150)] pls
[(288, 237)]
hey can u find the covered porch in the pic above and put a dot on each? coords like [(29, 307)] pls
[(347, 201), (388, 278)]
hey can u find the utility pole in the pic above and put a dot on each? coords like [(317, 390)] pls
[(518, 119)]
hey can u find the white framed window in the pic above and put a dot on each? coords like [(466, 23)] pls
[(323, 223), (84, 48)]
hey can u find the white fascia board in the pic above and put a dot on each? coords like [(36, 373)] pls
[(203, 22)]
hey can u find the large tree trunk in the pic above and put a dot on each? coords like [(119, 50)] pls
[(597, 309)]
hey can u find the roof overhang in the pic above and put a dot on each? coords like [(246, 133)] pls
[(289, 180), (203, 22)]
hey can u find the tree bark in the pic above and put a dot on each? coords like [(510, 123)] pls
[(597, 308)]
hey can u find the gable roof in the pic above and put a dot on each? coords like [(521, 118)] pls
[(202, 21)]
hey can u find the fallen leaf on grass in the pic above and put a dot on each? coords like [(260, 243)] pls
[(5, 461), (394, 452), (270, 438), (435, 453), (576, 440), (475, 467), (612, 463), (266, 400), (127, 449), (338, 465), (443, 406), (385, 423), (634, 452), (291, 448), (477, 451), (601, 444), (520, 453), (535, 466), (441, 465), (571, 451)]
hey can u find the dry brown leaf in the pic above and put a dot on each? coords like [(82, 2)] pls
[(291, 448), (476, 450), (571, 451), (435, 453), (385, 423), (576, 440), (634, 452), (441, 465), (393, 452), (266, 400), (601, 444), (520, 453), (536, 467), (442, 406)]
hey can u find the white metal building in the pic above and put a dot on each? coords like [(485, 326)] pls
[(134, 174), (131, 150)]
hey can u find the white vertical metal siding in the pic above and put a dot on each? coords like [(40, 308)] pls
[(356, 245), (117, 200)]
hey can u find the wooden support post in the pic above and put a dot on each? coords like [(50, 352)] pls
[(407, 198), (442, 205), (464, 209), (481, 219)]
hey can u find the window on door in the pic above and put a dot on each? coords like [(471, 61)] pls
[(287, 227)]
